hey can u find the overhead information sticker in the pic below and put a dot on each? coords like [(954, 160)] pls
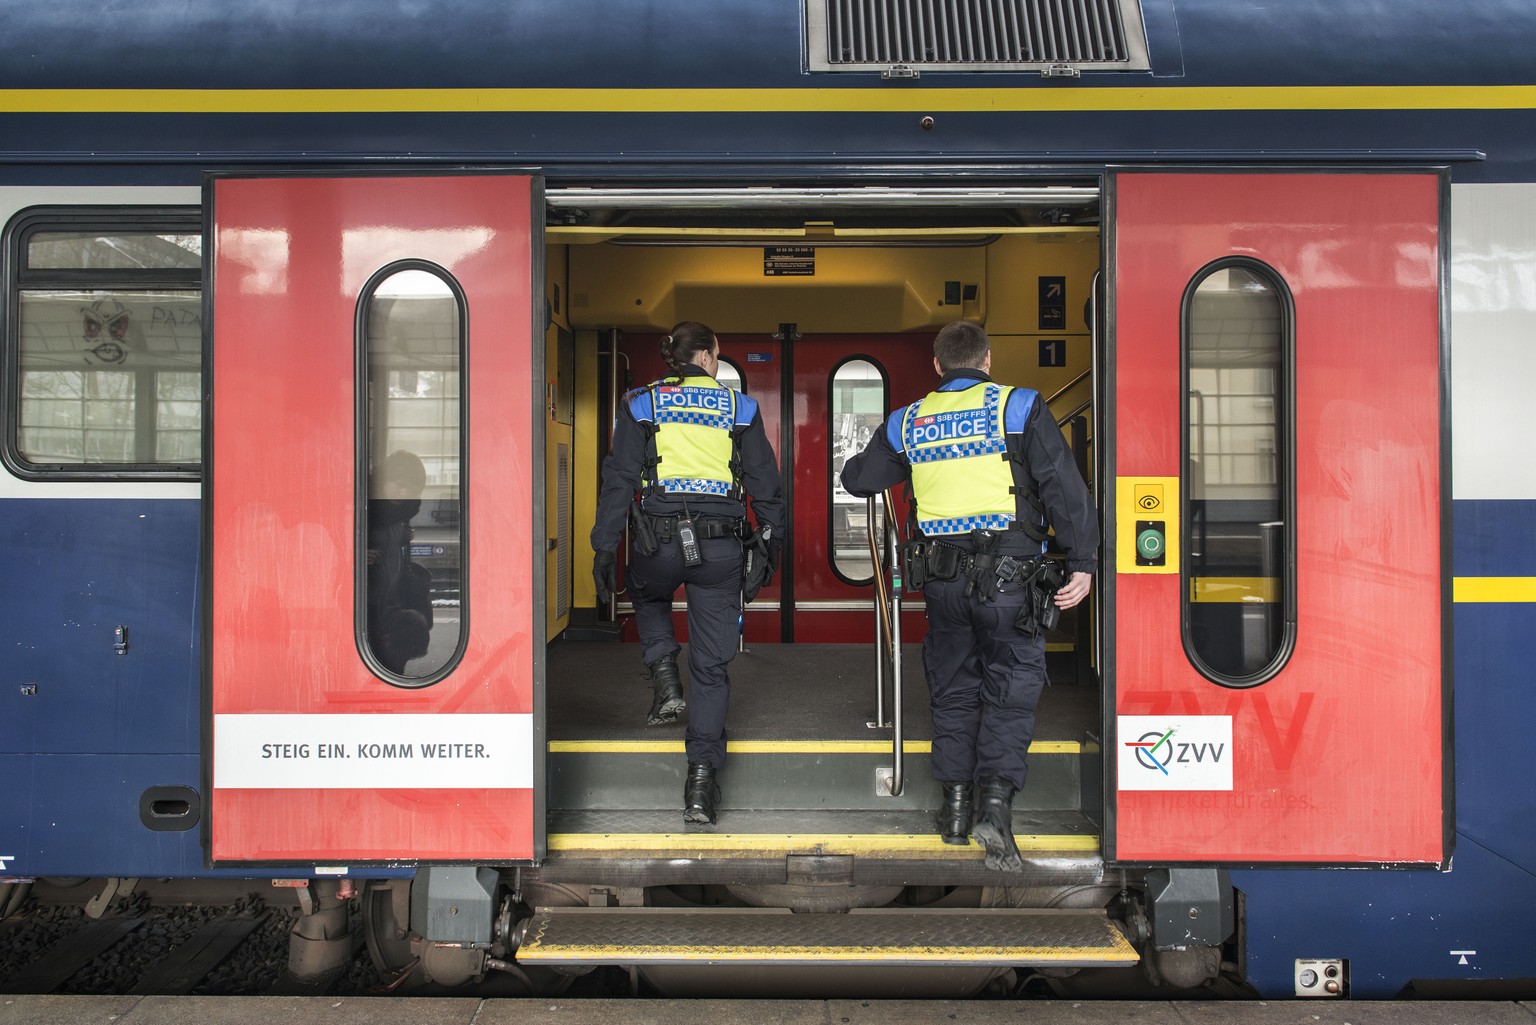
[(786, 261), (1189, 752), (373, 752)]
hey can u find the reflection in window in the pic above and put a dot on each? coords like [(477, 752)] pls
[(857, 409), (109, 377), (1236, 561), (415, 569), (108, 323), (114, 250)]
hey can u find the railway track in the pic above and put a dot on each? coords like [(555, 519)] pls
[(136, 946)]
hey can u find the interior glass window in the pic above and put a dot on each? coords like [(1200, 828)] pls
[(105, 342), (857, 409), (413, 586), (109, 377), (1238, 585), (114, 250)]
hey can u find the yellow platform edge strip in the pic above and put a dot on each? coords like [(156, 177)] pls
[(1115, 952), (772, 747), (821, 843), (809, 99)]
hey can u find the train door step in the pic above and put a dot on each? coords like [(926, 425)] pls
[(898, 835), (863, 936)]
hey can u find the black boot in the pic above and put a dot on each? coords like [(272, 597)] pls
[(667, 686), (954, 819), (700, 792), (994, 825)]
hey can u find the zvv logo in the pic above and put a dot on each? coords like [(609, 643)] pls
[(1148, 747), (1158, 752), (1191, 753)]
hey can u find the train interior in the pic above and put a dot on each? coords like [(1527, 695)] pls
[(826, 315)]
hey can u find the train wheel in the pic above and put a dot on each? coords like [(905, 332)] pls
[(413, 965)]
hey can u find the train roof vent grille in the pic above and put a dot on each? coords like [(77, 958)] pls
[(1053, 36)]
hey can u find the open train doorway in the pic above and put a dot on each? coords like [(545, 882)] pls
[(826, 304)]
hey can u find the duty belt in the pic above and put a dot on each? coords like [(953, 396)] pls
[(666, 526), (928, 559), (931, 559)]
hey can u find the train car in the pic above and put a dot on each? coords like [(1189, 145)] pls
[(1269, 264)]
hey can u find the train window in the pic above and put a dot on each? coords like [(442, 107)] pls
[(1238, 534), (411, 609), (857, 409), (729, 375), (114, 250), (104, 343)]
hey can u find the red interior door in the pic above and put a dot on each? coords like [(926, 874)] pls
[(315, 756), (1334, 750), (845, 386)]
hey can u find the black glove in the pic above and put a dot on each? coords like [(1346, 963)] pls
[(604, 576), (775, 549)]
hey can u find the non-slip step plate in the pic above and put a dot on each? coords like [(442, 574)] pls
[(877, 936), (902, 835)]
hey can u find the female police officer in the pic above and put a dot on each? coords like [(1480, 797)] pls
[(693, 448), (989, 471)]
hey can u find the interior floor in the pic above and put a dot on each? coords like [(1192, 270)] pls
[(599, 690)]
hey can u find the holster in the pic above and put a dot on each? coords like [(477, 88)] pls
[(914, 563), (642, 535), (755, 565), (1039, 612), (924, 560)]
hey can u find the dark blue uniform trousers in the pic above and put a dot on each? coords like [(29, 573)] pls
[(713, 591), (985, 676)]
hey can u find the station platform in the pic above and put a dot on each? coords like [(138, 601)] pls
[(194, 1010)]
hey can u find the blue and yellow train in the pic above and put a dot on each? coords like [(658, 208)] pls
[(1270, 264)]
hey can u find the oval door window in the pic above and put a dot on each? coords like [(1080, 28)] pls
[(857, 410), (412, 612), (1239, 593), (729, 375)]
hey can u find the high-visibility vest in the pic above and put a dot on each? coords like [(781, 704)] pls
[(693, 425), (962, 476)]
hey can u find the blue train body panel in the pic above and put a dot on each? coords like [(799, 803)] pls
[(1393, 927), (92, 566), (99, 727)]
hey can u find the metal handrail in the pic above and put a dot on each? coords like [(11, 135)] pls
[(1078, 411), (885, 558), (882, 626), (898, 747), (1085, 375), (876, 559)]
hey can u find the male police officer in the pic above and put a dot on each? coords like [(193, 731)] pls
[(693, 447), (985, 462)]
